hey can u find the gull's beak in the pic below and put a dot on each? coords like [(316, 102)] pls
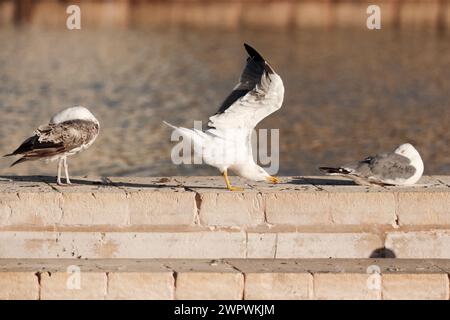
[(273, 179)]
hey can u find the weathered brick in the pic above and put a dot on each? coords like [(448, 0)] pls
[(298, 208), (202, 244), (327, 245), (362, 208), (415, 286), (64, 286), (231, 209), (140, 285), (345, 286), (209, 286), (261, 245), (335, 207), (162, 208), (278, 286), (420, 244), (133, 245), (37, 209), (5, 208), (19, 286), (101, 208), (424, 208)]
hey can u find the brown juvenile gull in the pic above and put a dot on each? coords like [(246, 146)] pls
[(403, 166), (69, 132), (226, 144)]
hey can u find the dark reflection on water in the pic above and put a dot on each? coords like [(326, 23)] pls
[(348, 93)]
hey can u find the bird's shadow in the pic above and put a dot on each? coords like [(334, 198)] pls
[(383, 253), (326, 181), (163, 182), (103, 182), (36, 179)]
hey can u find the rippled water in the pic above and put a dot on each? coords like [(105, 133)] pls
[(348, 93)]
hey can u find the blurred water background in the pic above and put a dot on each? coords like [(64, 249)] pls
[(349, 91)]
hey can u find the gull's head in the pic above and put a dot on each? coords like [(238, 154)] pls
[(407, 150), (262, 175), (254, 172), (74, 113)]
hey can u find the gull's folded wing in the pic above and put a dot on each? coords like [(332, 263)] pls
[(54, 139), (392, 166)]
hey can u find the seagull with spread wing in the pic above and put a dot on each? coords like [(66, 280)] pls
[(403, 166), (226, 144), (69, 132)]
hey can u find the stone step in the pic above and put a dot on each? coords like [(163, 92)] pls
[(195, 218), (224, 279), (222, 244)]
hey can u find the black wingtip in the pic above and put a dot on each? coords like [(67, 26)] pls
[(23, 159), (8, 155), (333, 170), (257, 57), (253, 53)]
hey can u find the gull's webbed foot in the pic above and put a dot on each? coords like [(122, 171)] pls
[(235, 188)]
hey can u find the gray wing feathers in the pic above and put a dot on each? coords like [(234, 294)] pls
[(383, 167), (392, 166)]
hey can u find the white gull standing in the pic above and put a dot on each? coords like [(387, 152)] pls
[(69, 132), (226, 144), (403, 166)]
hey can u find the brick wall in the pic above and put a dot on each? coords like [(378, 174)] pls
[(190, 238), (197, 218), (226, 279)]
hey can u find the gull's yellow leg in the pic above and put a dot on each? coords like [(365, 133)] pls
[(227, 181)]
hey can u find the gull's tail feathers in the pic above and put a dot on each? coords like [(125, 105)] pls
[(170, 125), (194, 135), (23, 159), (334, 171)]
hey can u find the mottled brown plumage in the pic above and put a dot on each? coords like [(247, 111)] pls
[(52, 140), (70, 131)]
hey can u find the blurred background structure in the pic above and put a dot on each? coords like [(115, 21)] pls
[(350, 91), (230, 14)]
